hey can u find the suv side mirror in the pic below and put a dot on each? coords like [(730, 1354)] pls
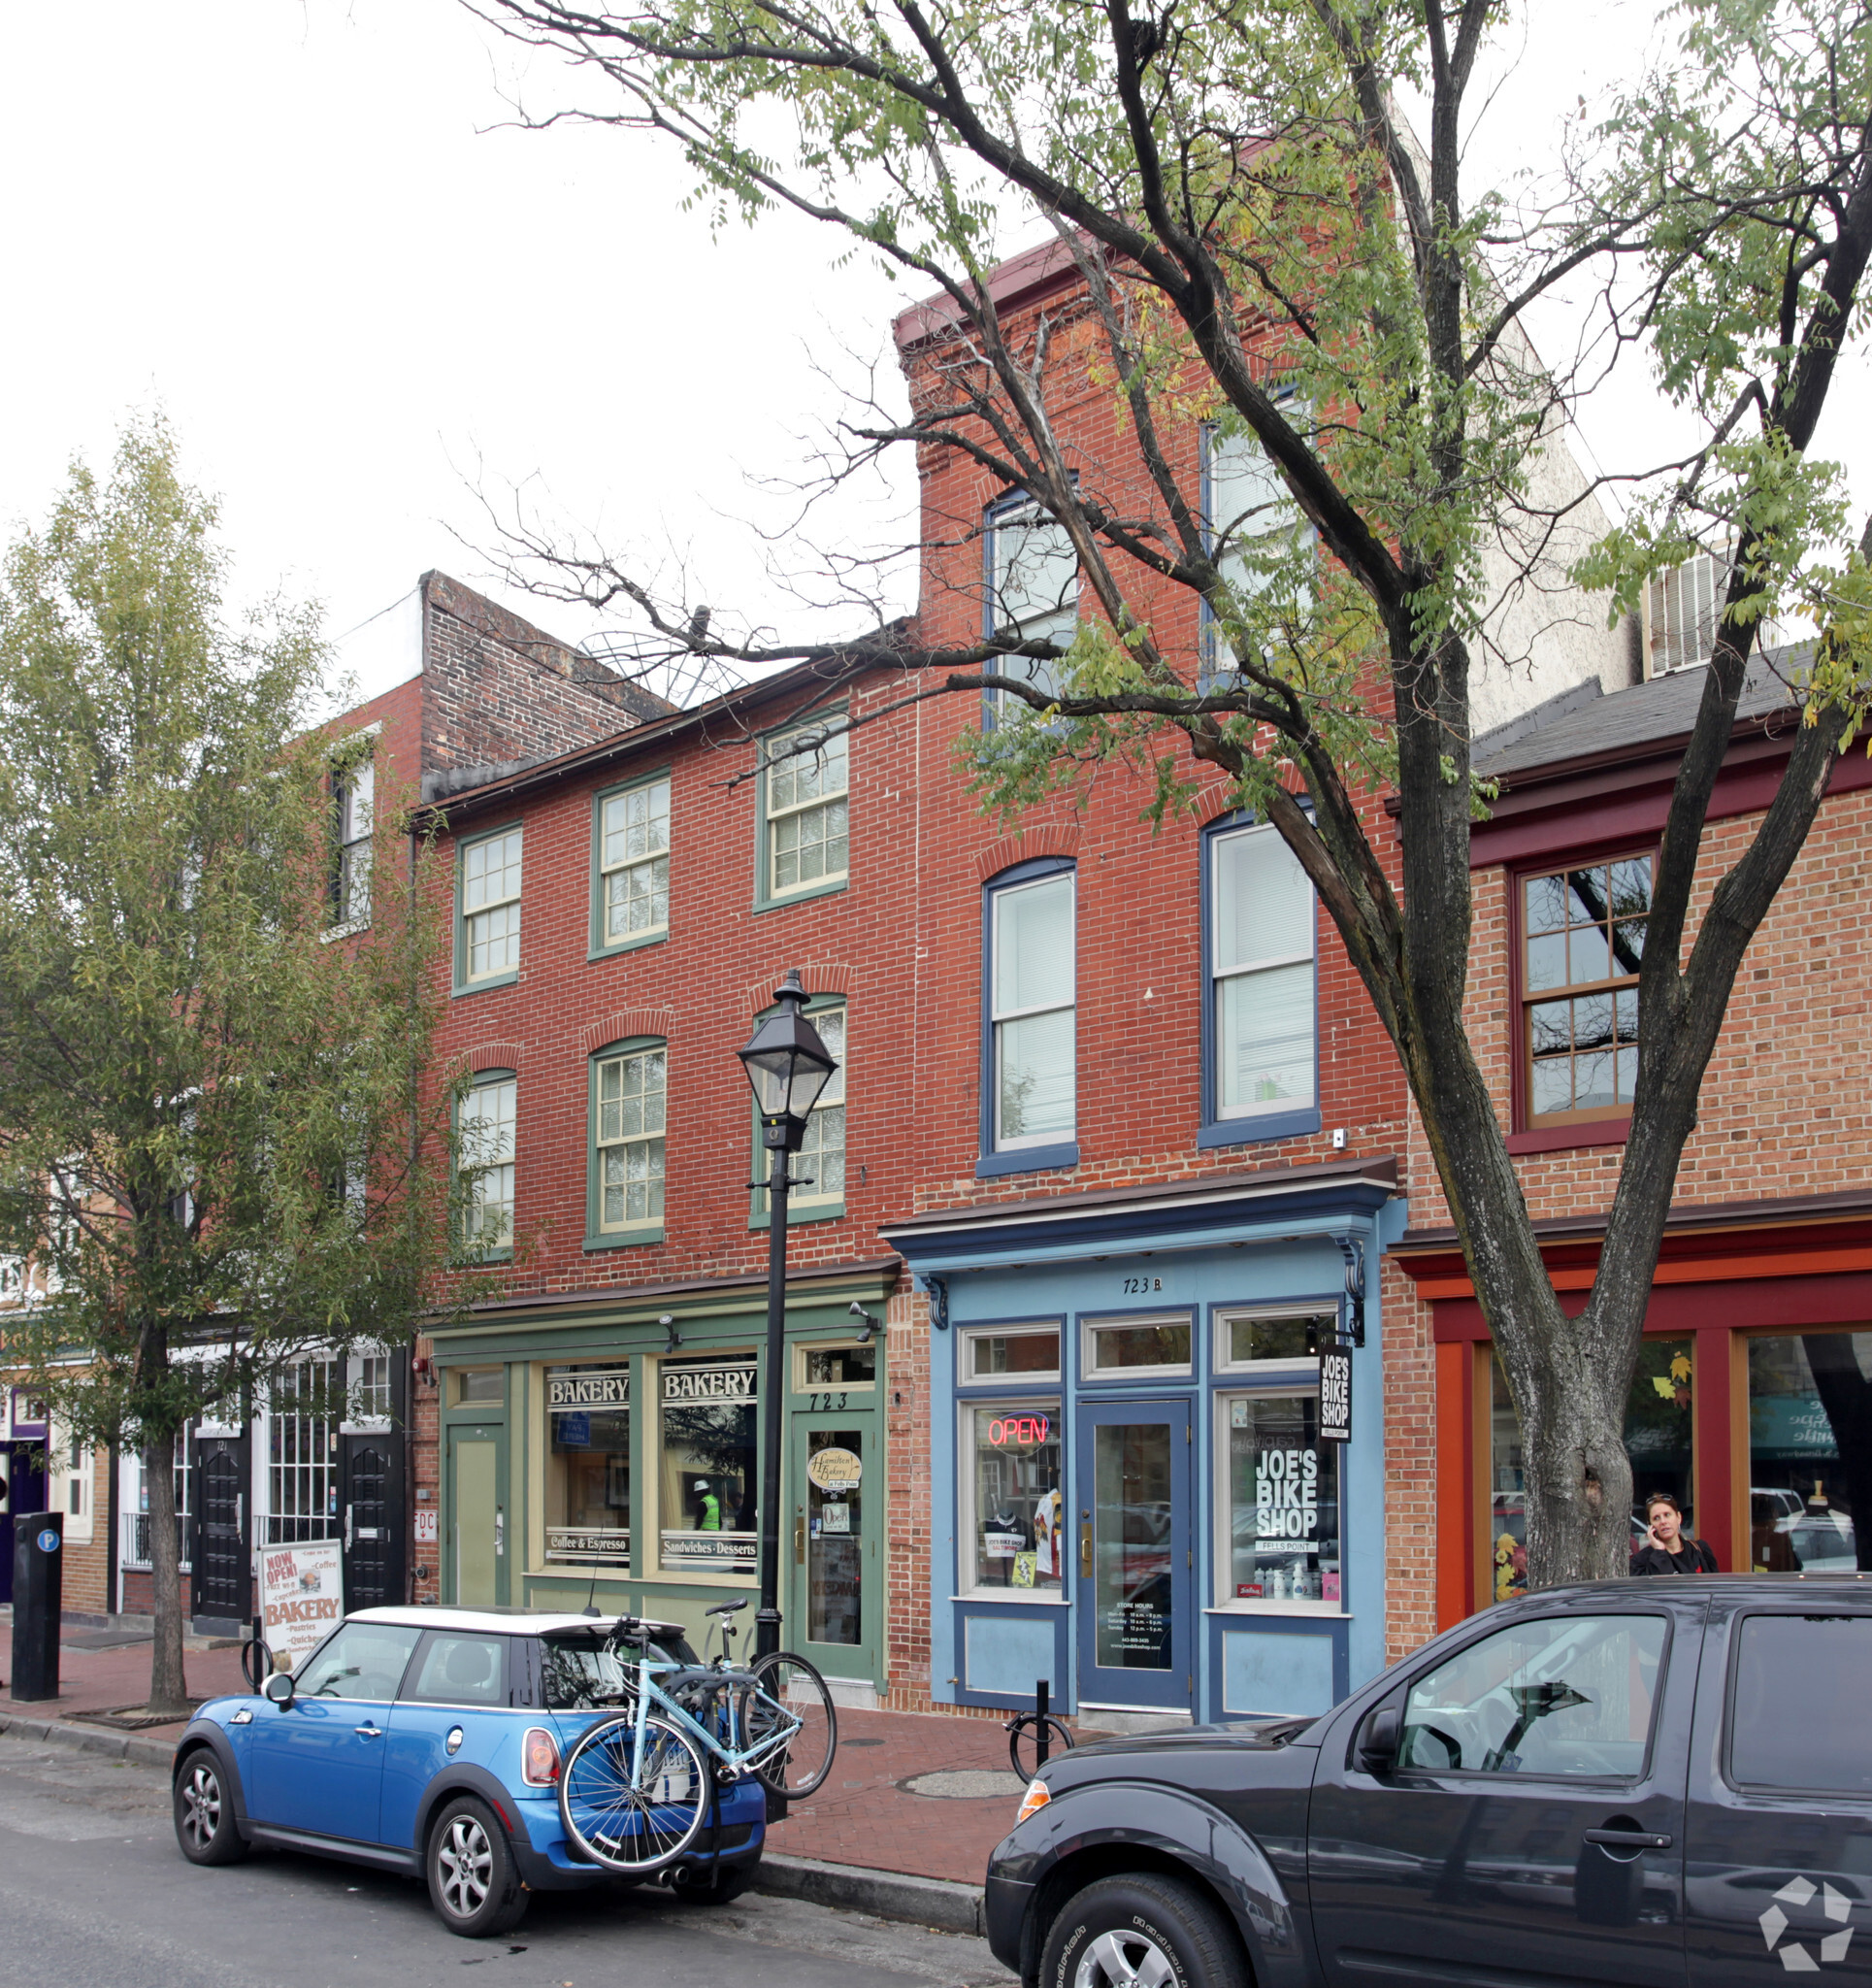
[(1379, 1739), (278, 1688)]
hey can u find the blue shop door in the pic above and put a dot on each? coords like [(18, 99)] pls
[(1137, 1626)]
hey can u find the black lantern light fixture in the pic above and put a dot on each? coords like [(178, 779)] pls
[(787, 1067)]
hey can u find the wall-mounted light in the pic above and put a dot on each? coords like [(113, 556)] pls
[(872, 1324), (673, 1338)]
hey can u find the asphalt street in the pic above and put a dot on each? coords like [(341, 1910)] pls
[(94, 1891)]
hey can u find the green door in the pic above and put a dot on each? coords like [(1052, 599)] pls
[(477, 1529), (836, 1562)]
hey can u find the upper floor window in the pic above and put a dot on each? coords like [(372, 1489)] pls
[(1260, 970), (805, 808), (490, 934), (1583, 942), (821, 1161), (486, 1127), (353, 811), (634, 862), (1253, 526), (1032, 586), (1033, 1012), (632, 1094)]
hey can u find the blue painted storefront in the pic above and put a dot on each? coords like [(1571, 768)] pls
[(1206, 1252)]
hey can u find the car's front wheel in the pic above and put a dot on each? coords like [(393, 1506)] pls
[(473, 1884), (1142, 1932), (205, 1825)]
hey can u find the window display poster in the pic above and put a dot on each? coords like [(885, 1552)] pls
[(302, 1596)]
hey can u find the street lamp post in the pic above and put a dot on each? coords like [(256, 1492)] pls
[(788, 1066)]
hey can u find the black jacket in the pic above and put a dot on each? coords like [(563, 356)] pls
[(1695, 1558)]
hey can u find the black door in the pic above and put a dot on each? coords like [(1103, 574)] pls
[(222, 1560), (1778, 1872), (371, 1492), (1534, 1822), (23, 1490)]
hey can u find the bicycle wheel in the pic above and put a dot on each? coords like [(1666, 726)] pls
[(789, 1684), (637, 1822), (1023, 1743)]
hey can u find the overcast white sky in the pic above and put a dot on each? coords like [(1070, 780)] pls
[(292, 226)]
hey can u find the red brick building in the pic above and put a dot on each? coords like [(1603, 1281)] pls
[(1752, 1403), (1115, 1123)]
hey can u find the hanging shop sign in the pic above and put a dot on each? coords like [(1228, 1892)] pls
[(1336, 1393), (835, 1470), (302, 1595), (586, 1389)]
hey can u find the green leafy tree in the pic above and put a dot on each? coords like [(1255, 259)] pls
[(212, 1139), (1264, 244)]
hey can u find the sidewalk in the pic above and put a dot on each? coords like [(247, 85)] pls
[(867, 1817)]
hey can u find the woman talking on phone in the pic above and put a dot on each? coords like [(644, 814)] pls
[(1665, 1549)]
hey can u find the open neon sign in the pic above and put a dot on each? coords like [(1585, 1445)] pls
[(1019, 1432)]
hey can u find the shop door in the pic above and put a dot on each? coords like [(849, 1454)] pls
[(222, 1583), (478, 1528), (22, 1491), (837, 1519), (1137, 1625), (371, 1496)]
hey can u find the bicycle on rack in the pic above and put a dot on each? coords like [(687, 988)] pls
[(636, 1789)]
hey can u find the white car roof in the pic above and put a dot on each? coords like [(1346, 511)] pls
[(502, 1621)]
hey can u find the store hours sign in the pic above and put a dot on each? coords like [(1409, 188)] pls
[(1336, 1393)]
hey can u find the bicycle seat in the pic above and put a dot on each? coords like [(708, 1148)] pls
[(732, 1607)]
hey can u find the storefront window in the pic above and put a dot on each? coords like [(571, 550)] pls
[(1281, 1499), (1810, 1452), (1297, 1337), (707, 1483), (1019, 1520), (1657, 1421), (588, 1463)]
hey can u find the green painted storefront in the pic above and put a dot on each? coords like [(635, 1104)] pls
[(609, 1447)]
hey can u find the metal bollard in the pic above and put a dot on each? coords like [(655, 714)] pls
[(1044, 1736)]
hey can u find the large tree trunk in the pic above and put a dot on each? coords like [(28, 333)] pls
[(168, 1688)]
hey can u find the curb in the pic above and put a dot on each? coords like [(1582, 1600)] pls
[(92, 1739), (934, 1901)]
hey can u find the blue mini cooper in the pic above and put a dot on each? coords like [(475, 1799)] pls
[(429, 1740)]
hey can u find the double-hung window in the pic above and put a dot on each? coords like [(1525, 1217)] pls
[(821, 1159), (805, 815), (1260, 1021), (485, 1137), (633, 864), (1255, 531), (354, 818), (630, 1087), (1033, 1016), (489, 944), (1033, 587), (1583, 942)]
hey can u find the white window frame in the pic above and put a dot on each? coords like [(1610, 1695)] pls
[(315, 1474), (1267, 1108), (480, 914), (1058, 622), (475, 1168), (1050, 1399), (834, 730), (833, 1096), (654, 855), (354, 805), (657, 1143), (1272, 509), (969, 1337), (997, 1016), (1091, 1374), (1300, 1367), (1223, 1516), (357, 1378)]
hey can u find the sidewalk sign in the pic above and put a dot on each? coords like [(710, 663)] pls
[(302, 1596)]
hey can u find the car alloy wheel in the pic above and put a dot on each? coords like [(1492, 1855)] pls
[(201, 1807), (1124, 1960), (467, 1866)]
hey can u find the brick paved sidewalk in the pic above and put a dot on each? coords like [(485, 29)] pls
[(862, 1816)]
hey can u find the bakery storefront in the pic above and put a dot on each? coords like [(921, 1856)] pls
[(1752, 1403), (610, 1447), (1132, 1496)]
